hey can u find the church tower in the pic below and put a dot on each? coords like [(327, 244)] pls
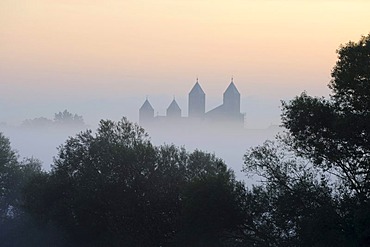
[(232, 99), (197, 102), (173, 110), (146, 113)]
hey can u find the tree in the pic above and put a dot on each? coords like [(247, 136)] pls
[(115, 186), (299, 202), (14, 175), (335, 134), (68, 118), (98, 185), (15, 226), (9, 174), (294, 205), (211, 203), (64, 118), (37, 122)]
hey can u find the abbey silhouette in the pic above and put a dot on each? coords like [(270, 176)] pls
[(227, 113)]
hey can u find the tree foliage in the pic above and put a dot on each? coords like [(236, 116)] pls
[(63, 118), (9, 172), (294, 205), (14, 175), (115, 186), (316, 178), (68, 118), (14, 178), (335, 133)]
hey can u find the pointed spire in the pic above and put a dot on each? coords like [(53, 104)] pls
[(231, 89), (147, 105), (173, 110), (174, 105), (197, 89), (146, 112)]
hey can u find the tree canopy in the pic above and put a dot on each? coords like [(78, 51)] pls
[(335, 133), (316, 176), (62, 118), (14, 178), (115, 186)]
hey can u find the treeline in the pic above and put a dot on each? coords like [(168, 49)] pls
[(61, 119), (115, 188)]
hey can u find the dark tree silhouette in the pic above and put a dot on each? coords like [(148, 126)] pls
[(316, 181), (335, 133), (294, 205), (68, 118), (116, 187), (9, 173), (16, 229)]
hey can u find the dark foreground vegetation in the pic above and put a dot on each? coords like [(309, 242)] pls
[(114, 188)]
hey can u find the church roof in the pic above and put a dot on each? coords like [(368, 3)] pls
[(197, 89), (218, 110), (231, 89), (173, 106), (146, 106)]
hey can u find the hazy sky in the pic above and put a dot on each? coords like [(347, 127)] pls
[(102, 58)]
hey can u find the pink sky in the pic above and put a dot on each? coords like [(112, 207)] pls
[(76, 50)]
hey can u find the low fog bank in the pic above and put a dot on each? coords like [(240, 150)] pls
[(226, 142), (39, 142)]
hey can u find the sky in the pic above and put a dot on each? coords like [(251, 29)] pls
[(101, 59)]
